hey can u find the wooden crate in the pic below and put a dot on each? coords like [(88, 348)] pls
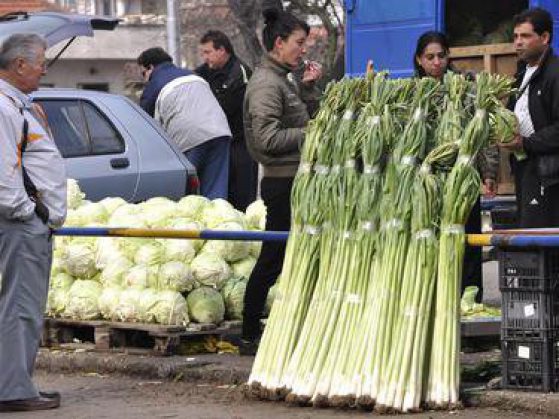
[(155, 338), (494, 58)]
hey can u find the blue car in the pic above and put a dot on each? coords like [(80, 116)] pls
[(109, 144)]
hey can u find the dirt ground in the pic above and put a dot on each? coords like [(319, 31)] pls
[(96, 396)]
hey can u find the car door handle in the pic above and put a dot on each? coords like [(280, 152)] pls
[(120, 163)]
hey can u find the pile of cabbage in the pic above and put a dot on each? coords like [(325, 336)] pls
[(166, 281)]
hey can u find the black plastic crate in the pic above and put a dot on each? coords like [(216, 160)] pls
[(531, 364), (504, 217), (524, 270), (529, 314)]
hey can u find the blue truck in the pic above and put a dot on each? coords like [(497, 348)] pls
[(386, 31)]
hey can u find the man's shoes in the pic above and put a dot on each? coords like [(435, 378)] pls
[(27, 405), (248, 347)]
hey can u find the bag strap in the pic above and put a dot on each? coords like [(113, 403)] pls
[(30, 187), (28, 184), (536, 73)]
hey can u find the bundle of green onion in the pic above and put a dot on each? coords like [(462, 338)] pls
[(504, 128), (369, 297)]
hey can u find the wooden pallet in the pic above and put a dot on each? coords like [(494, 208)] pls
[(106, 335), (165, 340)]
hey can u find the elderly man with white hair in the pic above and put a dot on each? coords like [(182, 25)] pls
[(32, 201)]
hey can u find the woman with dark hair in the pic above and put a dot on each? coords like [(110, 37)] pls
[(431, 56), (431, 59), (276, 111)]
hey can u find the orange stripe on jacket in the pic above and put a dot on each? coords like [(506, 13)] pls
[(30, 138)]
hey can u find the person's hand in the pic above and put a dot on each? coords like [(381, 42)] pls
[(489, 188), (312, 73), (517, 144), (42, 211)]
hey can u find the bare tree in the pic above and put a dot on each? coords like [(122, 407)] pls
[(248, 14), (330, 15)]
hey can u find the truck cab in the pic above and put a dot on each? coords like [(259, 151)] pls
[(386, 31), (480, 35)]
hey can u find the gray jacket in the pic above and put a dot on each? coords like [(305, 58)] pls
[(41, 159), (190, 113), (275, 114)]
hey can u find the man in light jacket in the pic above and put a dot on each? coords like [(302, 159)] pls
[(190, 114), (32, 200)]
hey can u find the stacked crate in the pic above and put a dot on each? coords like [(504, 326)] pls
[(529, 283)]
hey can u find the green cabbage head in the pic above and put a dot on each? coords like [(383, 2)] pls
[(234, 295), (176, 276), (128, 307), (111, 204), (229, 250), (220, 211), (83, 300), (141, 276), (114, 272), (78, 260), (74, 195), (59, 291), (205, 305), (192, 206), (108, 301), (255, 215), (210, 269), (149, 254), (178, 250), (243, 268), (170, 308)]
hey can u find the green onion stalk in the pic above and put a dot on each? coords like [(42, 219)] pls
[(299, 275), (312, 347), (403, 385), (300, 267), (358, 385), (324, 121), (504, 127), (396, 216), (336, 286), (295, 286), (374, 132), (460, 194), (451, 124), (403, 98)]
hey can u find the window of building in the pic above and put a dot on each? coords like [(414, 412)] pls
[(100, 87), (80, 129), (68, 4), (106, 7), (118, 7)]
